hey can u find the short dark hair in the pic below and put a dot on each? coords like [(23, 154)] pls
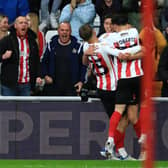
[(85, 32), (108, 16), (3, 16), (120, 19)]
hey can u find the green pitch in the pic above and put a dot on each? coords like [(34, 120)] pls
[(75, 164)]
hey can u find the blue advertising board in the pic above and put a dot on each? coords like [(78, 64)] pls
[(66, 130)]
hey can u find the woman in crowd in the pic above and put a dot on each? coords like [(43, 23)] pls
[(33, 24)]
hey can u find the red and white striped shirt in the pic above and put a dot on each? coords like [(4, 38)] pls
[(23, 75), (124, 40), (103, 67)]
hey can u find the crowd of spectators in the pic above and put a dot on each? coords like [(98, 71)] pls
[(46, 15)]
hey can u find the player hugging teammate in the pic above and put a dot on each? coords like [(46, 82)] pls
[(125, 63)]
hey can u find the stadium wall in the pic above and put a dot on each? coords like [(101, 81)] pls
[(66, 128)]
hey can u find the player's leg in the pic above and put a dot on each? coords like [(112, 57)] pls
[(133, 116), (114, 121), (108, 101), (142, 139), (143, 110), (134, 105), (119, 137), (122, 94), (134, 119)]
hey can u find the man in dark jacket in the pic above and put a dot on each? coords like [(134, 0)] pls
[(20, 69), (62, 64)]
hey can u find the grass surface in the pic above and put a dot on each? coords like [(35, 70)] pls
[(75, 164)]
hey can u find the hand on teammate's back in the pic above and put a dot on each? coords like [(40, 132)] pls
[(124, 57)]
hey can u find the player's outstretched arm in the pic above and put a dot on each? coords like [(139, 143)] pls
[(129, 56), (115, 52)]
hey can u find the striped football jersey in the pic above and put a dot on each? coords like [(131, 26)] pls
[(123, 40)]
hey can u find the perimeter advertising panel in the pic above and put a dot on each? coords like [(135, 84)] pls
[(66, 130)]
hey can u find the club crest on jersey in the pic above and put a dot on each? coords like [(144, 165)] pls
[(74, 51)]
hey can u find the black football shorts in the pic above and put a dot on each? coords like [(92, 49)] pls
[(128, 91)]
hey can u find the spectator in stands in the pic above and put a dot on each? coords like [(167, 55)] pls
[(20, 60), (64, 2), (33, 21), (163, 17), (47, 18), (107, 7), (62, 64), (163, 71), (132, 9), (78, 12), (34, 6), (13, 9), (158, 45), (165, 32), (107, 25), (4, 26)]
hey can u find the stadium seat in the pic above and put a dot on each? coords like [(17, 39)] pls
[(50, 34)]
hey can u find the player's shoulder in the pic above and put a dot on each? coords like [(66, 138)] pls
[(133, 30), (106, 36), (127, 32), (85, 46), (104, 46), (103, 36), (103, 43)]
